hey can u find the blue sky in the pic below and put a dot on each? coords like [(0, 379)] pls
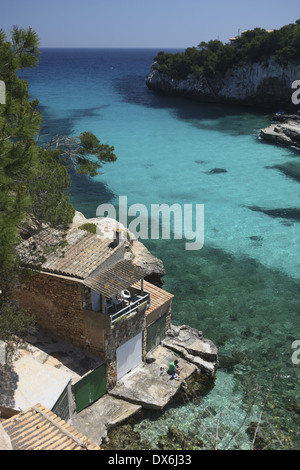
[(143, 23)]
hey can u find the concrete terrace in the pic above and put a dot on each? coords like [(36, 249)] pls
[(149, 386)]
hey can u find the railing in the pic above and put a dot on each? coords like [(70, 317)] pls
[(131, 307)]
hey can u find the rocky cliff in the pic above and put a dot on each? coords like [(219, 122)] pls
[(260, 84), (284, 130)]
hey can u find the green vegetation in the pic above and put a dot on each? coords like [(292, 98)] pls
[(214, 58), (85, 153), (89, 227), (34, 178)]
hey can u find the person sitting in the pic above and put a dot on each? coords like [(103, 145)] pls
[(174, 369)]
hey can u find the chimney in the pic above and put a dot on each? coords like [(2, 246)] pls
[(117, 236)]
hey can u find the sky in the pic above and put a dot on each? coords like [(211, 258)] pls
[(143, 23)]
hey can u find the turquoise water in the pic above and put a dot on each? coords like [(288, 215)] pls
[(242, 288)]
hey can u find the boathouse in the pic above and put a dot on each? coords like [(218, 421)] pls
[(84, 289)]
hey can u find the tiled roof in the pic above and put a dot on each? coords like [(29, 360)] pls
[(120, 276), (159, 296), (76, 253), (39, 429)]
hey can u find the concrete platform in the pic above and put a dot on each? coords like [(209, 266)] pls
[(28, 382), (100, 417), (149, 384), (41, 371)]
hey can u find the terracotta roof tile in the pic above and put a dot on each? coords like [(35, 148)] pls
[(40, 429), (159, 296), (76, 253)]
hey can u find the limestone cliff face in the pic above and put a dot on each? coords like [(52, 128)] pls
[(263, 84)]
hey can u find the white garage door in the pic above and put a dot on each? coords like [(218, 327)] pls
[(129, 355)]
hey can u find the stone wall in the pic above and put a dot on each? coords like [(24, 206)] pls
[(61, 308), (57, 304)]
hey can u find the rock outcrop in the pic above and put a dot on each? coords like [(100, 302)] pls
[(284, 130), (265, 84), (190, 344)]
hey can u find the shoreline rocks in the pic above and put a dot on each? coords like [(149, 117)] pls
[(190, 344), (284, 130)]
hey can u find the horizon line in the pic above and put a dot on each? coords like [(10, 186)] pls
[(111, 47)]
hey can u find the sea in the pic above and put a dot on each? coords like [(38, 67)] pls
[(242, 288)]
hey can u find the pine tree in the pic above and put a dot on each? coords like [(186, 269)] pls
[(34, 179), (19, 123)]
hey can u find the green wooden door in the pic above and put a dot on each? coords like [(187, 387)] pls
[(90, 388), (156, 333)]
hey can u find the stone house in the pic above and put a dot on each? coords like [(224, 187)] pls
[(85, 290)]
